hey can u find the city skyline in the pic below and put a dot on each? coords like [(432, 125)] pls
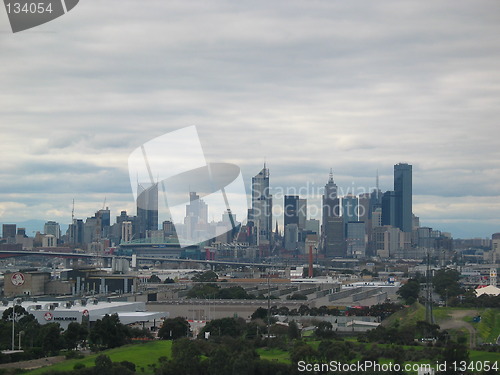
[(302, 86), (311, 192)]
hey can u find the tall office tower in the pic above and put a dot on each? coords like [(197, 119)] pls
[(105, 216), (330, 200), (349, 209), (389, 208), (53, 228), (75, 232), (312, 226), (331, 237), (291, 209), (291, 236), (196, 217), (356, 239), (262, 204), (364, 213), (91, 230), (147, 209), (403, 191), (9, 230), (334, 242), (302, 213), (197, 208), (377, 218)]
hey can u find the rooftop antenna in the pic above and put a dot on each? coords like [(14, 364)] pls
[(377, 182), (73, 212)]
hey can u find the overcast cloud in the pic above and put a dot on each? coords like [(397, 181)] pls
[(303, 85)]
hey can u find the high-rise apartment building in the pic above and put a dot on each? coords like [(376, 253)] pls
[(403, 192)]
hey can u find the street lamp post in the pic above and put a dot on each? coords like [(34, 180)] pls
[(13, 329)]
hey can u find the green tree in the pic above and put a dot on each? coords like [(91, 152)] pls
[(109, 332), (324, 330), (103, 365), (50, 338), (186, 357), (74, 334), (205, 277), (454, 353), (203, 291), (260, 313), (19, 311), (447, 283), (409, 292), (234, 327), (174, 328), (297, 297), (154, 279), (221, 362), (293, 330)]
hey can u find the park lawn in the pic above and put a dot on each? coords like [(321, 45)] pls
[(142, 355), (273, 354), (476, 355)]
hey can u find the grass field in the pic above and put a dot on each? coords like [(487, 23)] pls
[(143, 355), (407, 317), (489, 327), (274, 354)]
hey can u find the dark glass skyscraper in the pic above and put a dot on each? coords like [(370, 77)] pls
[(291, 209), (332, 234), (403, 195), (262, 204), (147, 208)]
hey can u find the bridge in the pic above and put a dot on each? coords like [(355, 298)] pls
[(108, 257)]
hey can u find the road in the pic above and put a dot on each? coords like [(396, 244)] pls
[(456, 322)]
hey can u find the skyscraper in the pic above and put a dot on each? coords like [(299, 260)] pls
[(403, 195), (53, 228), (330, 199), (291, 209), (333, 230), (262, 202), (349, 209), (9, 231), (147, 208), (389, 208)]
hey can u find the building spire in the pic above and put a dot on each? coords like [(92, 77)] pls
[(330, 178), (377, 182)]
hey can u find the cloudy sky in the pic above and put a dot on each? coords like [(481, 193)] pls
[(303, 85)]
